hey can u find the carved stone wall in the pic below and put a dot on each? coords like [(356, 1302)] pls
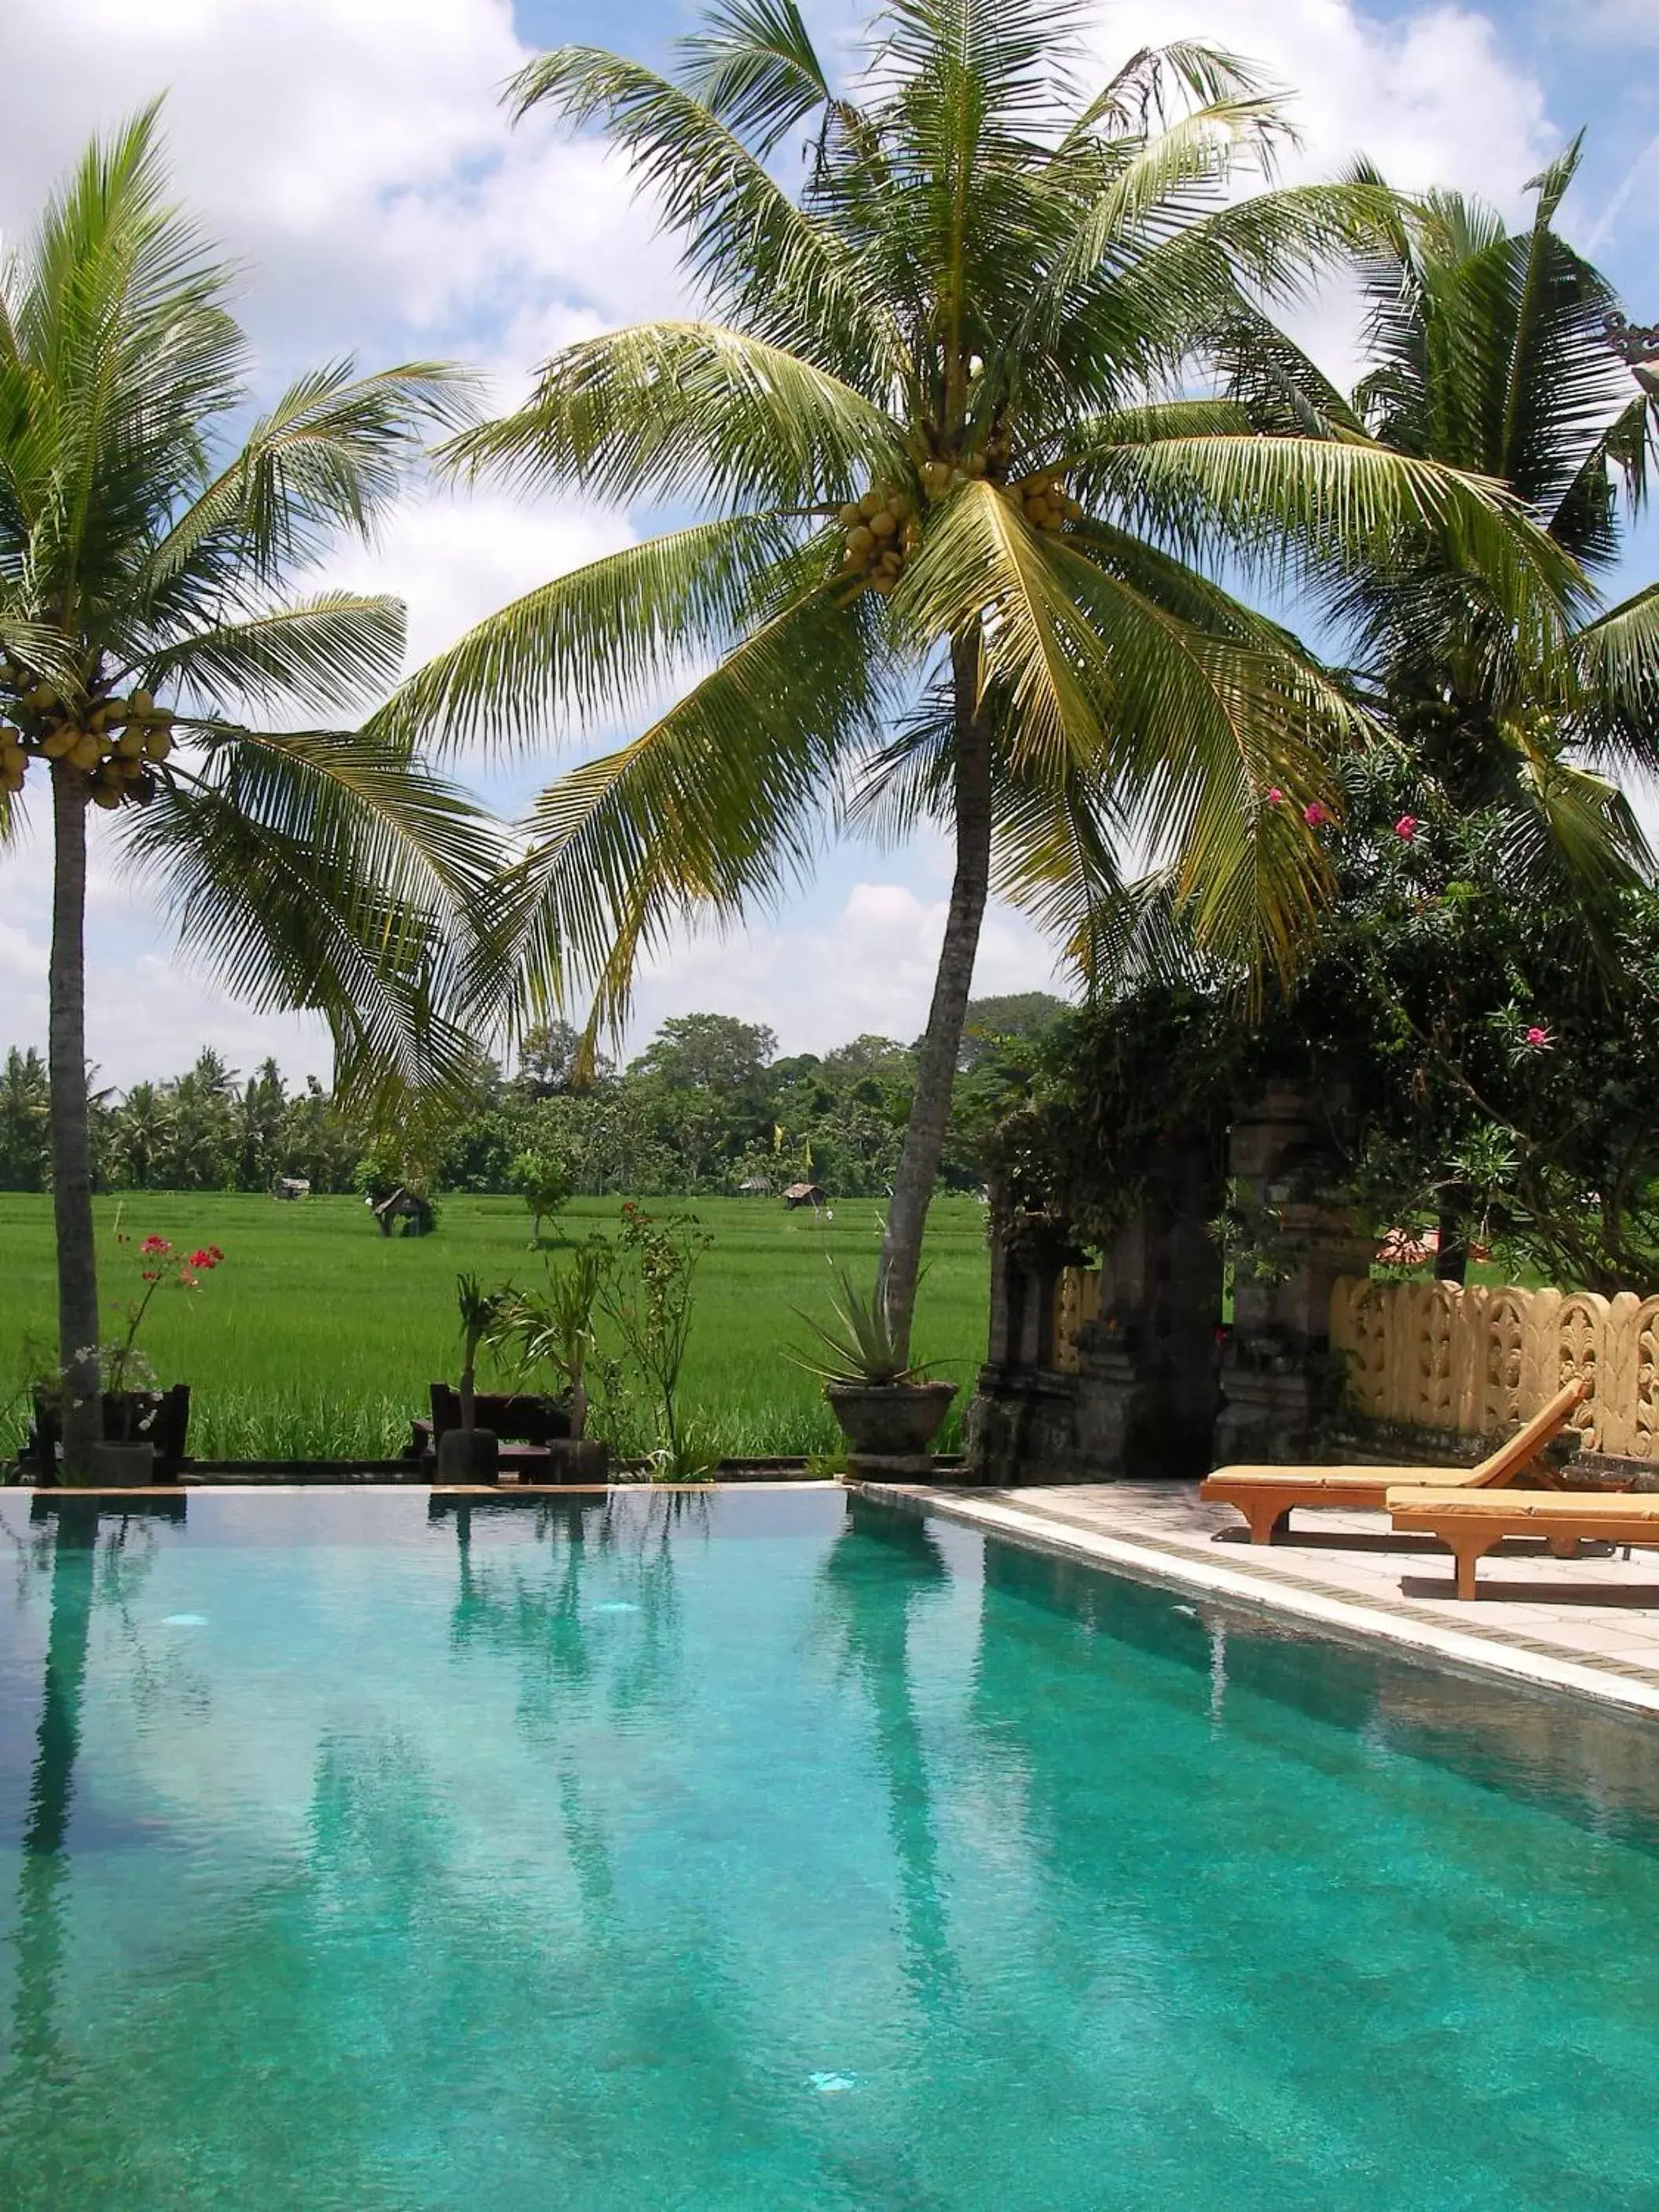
[(1479, 1361)]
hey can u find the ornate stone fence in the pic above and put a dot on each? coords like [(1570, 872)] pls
[(1479, 1361)]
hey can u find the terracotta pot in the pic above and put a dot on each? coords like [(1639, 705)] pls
[(468, 1455), (890, 1420)]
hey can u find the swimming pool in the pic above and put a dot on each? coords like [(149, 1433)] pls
[(748, 1850)]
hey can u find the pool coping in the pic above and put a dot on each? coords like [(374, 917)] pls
[(1478, 1650), (109, 1499)]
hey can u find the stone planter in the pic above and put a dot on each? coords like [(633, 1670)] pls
[(122, 1467), (466, 1456), (890, 1420), (158, 1419), (583, 1460)]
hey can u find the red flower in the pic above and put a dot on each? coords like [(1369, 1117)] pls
[(1313, 814), (208, 1258), (1405, 827), (217, 1254), (150, 1275), (153, 1246)]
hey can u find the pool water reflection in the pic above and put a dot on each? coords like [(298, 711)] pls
[(765, 1849)]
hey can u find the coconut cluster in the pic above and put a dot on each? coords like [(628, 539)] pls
[(114, 743), (1044, 501), (942, 472), (882, 532)]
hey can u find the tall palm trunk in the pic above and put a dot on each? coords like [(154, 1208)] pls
[(941, 1043), (71, 1143)]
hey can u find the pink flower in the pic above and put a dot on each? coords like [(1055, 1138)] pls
[(1538, 1038), (1405, 827), (1275, 797), (153, 1247), (1313, 814)]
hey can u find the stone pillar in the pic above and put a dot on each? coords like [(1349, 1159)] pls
[(1019, 1426), (1147, 1391), (1142, 1400), (1278, 1381)]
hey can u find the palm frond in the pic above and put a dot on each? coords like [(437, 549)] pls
[(1338, 500), (596, 642), (688, 411), (706, 816), (325, 652), (311, 870), (1098, 684), (773, 269), (753, 66), (1617, 663), (331, 455)]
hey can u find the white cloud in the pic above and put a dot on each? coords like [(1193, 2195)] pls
[(454, 558), (354, 154), (868, 970), (1618, 22), (1429, 98)]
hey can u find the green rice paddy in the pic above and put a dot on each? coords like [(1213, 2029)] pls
[(318, 1337)]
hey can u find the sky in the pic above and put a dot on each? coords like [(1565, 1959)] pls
[(352, 155)]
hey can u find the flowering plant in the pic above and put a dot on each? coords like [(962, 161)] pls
[(159, 1265)]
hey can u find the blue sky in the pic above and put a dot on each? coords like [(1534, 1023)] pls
[(352, 153)]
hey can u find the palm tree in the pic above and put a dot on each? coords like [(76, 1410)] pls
[(24, 1121), (1489, 350), (953, 492), (139, 557)]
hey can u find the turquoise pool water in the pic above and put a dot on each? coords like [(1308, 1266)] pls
[(735, 1855)]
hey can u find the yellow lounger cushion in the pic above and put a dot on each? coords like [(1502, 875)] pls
[(1469, 1524)]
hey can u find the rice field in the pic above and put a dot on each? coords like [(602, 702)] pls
[(318, 1337)]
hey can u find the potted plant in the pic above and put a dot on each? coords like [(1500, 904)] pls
[(141, 1423), (471, 1454), (885, 1404), (554, 1329)]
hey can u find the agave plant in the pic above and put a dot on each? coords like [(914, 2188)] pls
[(141, 557), (861, 1345), (954, 492)]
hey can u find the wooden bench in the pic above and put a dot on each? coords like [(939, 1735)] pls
[(1468, 1526)]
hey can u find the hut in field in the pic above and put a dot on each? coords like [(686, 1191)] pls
[(802, 1193)]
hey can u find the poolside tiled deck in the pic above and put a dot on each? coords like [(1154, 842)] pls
[(1588, 1626)]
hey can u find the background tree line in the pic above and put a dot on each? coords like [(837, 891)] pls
[(708, 1107)]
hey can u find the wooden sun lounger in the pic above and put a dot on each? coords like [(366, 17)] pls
[(1470, 1526), (1267, 1495)]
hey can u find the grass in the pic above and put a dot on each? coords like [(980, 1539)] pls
[(318, 1337)]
